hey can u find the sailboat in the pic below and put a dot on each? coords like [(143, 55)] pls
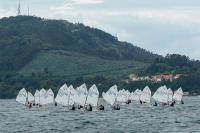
[(49, 97), (111, 95), (178, 95), (145, 95), (161, 95), (62, 96), (82, 93), (135, 96), (22, 96), (93, 96)]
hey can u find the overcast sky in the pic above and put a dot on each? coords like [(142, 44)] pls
[(161, 26)]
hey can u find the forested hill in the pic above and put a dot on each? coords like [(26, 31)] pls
[(27, 36), (39, 53)]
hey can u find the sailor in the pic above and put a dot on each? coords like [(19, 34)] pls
[(117, 107), (80, 107), (30, 105), (172, 104), (155, 104), (73, 107), (140, 102), (90, 108), (164, 104), (128, 102), (182, 102), (101, 107)]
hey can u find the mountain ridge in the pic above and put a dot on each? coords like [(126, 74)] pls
[(34, 34)]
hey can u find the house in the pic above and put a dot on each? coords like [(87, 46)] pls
[(133, 77)]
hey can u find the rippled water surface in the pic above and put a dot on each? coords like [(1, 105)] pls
[(131, 118)]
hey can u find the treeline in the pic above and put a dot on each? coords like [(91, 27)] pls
[(11, 83), (173, 63)]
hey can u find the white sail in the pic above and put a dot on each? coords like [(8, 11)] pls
[(170, 95), (62, 95), (43, 96), (93, 96), (49, 97), (135, 96), (178, 95), (165, 95), (81, 95), (111, 95), (156, 96), (161, 95), (30, 97), (22, 96), (37, 97), (72, 95), (122, 96), (146, 95), (128, 94)]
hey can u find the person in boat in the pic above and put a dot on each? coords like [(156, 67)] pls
[(55, 104), (90, 108), (30, 105), (101, 107), (73, 107), (155, 104), (80, 107), (140, 102), (128, 102), (172, 104), (182, 102), (117, 107)]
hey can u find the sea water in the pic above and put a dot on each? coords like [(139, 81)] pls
[(16, 118)]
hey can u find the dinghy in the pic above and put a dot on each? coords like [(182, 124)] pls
[(178, 95), (111, 95), (146, 95), (62, 96), (49, 97), (93, 96), (135, 96), (161, 95), (82, 93), (43, 96), (22, 96), (72, 96)]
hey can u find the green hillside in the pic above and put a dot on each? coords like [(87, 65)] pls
[(36, 53), (27, 36), (71, 64), (39, 53)]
